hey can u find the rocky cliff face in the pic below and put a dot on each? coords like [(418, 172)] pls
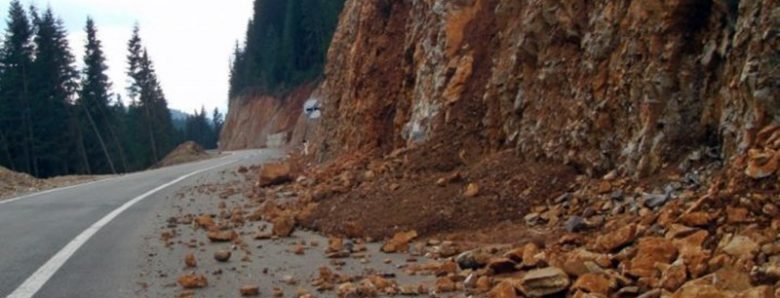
[(600, 85), (263, 120)]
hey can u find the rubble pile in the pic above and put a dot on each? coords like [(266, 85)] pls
[(188, 151), (700, 227), (14, 183)]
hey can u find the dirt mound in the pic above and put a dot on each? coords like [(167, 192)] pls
[(15, 183), (188, 151), (390, 199), (11, 181)]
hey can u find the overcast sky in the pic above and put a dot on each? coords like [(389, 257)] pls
[(190, 41)]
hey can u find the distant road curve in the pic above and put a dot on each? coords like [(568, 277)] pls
[(48, 237)]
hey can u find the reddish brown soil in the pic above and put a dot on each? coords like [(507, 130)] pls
[(508, 187)]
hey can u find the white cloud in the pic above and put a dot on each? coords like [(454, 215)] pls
[(190, 41)]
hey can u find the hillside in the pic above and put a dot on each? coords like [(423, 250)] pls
[(605, 146), (274, 72)]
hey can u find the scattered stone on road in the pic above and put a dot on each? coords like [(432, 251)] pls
[(222, 255), (399, 242), (222, 236), (190, 260), (192, 281), (249, 290)]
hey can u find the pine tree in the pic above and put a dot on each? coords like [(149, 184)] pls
[(149, 106), (217, 122), (53, 85), (15, 100), (93, 102), (237, 77), (286, 43)]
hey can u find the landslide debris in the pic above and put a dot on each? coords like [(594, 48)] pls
[(551, 231), (15, 183), (188, 151)]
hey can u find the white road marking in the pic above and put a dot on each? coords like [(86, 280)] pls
[(35, 194), (36, 281), (55, 189)]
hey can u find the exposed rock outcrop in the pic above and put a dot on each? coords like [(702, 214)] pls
[(263, 120), (600, 85)]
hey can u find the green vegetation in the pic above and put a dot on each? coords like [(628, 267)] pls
[(204, 131), (286, 44), (56, 119)]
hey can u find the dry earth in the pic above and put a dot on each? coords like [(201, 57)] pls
[(13, 184)]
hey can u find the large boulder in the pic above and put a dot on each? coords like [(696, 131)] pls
[(274, 173)]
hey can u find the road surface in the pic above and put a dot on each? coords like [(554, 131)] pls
[(83, 241)]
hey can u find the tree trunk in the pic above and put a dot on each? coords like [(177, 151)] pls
[(83, 151), (151, 133), (29, 138), (4, 141), (100, 139), (115, 139)]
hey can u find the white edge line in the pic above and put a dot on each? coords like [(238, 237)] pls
[(43, 192), (55, 189), (36, 281)]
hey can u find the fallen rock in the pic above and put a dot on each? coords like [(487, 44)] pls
[(284, 225), (769, 271), (726, 282), (575, 224), (190, 260), (274, 173), (205, 222), (249, 290), (650, 251), (335, 244), (222, 255), (222, 236), (541, 282), (674, 276), (483, 284), (762, 164), (263, 235), (692, 253), (616, 239), (380, 282), (447, 268), (413, 290), (604, 187), (472, 259), (530, 255), (399, 242), (702, 291), (757, 292), (472, 190), (582, 261), (192, 281), (741, 247), (277, 292), (443, 181), (696, 219), (347, 289), (501, 265), (595, 283), (504, 289), (736, 215), (655, 200), (445, 285)]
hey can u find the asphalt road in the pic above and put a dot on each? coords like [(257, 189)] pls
[(83, 241)]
